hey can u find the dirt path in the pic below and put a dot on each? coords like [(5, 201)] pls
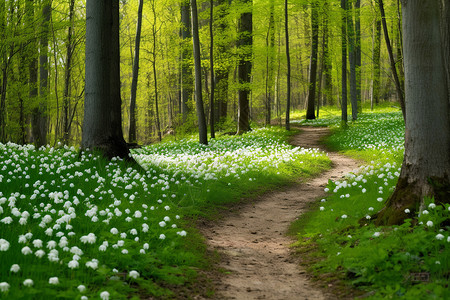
[(252, 242)]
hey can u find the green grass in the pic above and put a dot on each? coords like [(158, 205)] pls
[(380, 262), (70, 220)]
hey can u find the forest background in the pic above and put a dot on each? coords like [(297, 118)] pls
[(42, 61)]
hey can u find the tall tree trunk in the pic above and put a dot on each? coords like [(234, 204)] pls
[(67, 75), (186, 56), (358, 53), (223, 65), (211, 66), (155, 81), (392, 60), (352, 61), (270, 57), (132, 138), (327, 69), (245, 41), (202, 129), (102, 125), (344, 63), (426, 166), (288, 65), (375, 94), (310, 114)]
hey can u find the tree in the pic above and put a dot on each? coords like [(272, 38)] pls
[(392, 60), (344, 61), (288, 63), (245, 39), (132, 130), (352, 62), (376, 53), (186, 56), (270, 57), (202, 131), (211, 66), (426, 167), (310, 114), (102, 126)]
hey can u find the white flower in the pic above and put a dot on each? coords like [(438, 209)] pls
[(4, 245), (4, 286), (146, 246), (162, 223), (53, 280), (182, 233), (40, 253), (133, 274), (28, 282), (76, 250), (137, 214), (104, 295), (84, 298), (167, 219), (437, 262), (162, 236), (124, 251), (439, 236), (7, 220), (114, 230), (363, 190), (90, 238), (26, 250), (15, 268), (73, 264), (407, 211), (81, 288), (432, 205), (37, 243), (322, 208), (167, 207), (376, 234), (370, 208), (380, 199), (430, 223), (51, 244), (344, 216), (102, 247), (425, 212), (93, 264)]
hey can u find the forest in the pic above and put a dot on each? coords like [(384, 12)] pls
[(224, 149)]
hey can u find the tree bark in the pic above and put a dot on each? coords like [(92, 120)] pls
[(288, 65), (392, 60), (310, 114), (245, 42), (186, 56), (344, 62), (270, 57), (375, 94), (358, 53), (426, 167), (67, 75), (352, 62), (132, 138), (102, 126), (202, 129), (155, 77), (211, 66)]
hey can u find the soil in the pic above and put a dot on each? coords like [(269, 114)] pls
[(255, 255)]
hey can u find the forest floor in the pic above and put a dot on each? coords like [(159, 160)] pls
[(256, 260)]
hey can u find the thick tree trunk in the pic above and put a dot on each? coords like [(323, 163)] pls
[(202, 128), (245, 66), (344, 62), (288, 65), (102, 126), (132, 138), (426, 166)]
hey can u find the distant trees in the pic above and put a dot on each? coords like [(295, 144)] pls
[(426, 167)]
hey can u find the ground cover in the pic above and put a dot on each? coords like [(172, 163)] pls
[(401, 262), (75, 226)]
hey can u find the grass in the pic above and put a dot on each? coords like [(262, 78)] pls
[(395, 262), (75, 226)]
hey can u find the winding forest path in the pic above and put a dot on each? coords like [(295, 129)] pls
[(252, 240)]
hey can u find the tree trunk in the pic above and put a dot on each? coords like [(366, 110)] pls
[(245, 66), (392, 60), (211, 66), (352, 61), (67, 75), (102, 126), (288, 65), (426, 166), (223, 64), (202, 129), (310, 114), (155, 79), (132, 138), (344, 63), (327, 69), (186, 56), (270, 44), (358, 53), (375, 94)]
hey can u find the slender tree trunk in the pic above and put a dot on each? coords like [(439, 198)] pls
[(186, 57), (327, 82), (211, 66), (102, 126), (375, 94), (288, 65), (223, 64), (67, 75), (392, 60), (426, 167), (155, 79), (352, 61), (270, 44), (344, 62), (310, 114), (132, 138), (202, 128), (358, 53), (245, 66)]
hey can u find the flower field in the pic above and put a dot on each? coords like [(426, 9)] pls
[(401, 262), (75, 226)]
